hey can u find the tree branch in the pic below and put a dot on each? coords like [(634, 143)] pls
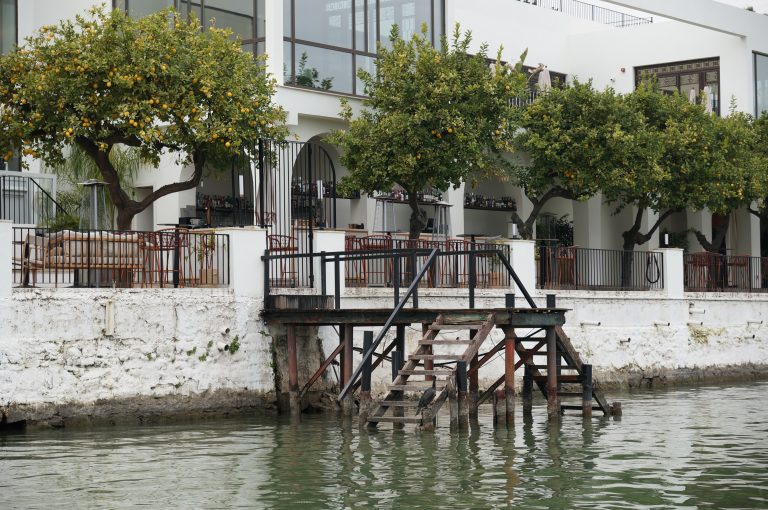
[(198, 158)]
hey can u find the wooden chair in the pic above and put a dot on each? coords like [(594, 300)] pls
[(283, 245)]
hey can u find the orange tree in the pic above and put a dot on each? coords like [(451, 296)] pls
[(159, 84), (433, 117)]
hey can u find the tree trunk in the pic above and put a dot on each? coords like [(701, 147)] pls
[(525, 226), (418, 216), (717, 238), (633, 237)]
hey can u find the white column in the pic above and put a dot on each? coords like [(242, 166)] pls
[(588, 223), (523, 260), (746, 233), (673, 272), (701, 221), (328, 241), (6, 258), (246, 269), (455, 197), (273, 35), (649, 220), (524, 206)]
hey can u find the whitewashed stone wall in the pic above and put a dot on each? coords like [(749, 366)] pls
[(66, 346)]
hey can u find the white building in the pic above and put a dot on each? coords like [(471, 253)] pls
[(690, 44)]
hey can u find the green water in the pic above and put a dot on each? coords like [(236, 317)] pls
[(692, 448)]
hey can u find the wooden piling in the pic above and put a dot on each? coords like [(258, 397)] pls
[(453, 406), (348, 404), (509, 374), (474, 381), (553, 405), (462, 397), (499, 408), (365, 381), (586, 398), (294, 400), (428, 363), (528, 391)]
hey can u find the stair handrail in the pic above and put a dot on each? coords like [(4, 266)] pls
[(388, 324), (516, 278)]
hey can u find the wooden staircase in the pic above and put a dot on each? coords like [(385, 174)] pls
[(394, 408)]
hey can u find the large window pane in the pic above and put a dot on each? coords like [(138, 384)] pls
[(327, 22), (761, 83), (360, 25), (408, 15), (323, 69), (7, 25), (237, 15), (367, 63), (193, 8), (141, 8), (287, 17)]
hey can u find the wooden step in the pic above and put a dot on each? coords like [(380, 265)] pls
[(395, 419), (561, 367), (562, 378), (453, 357), (577, 408), (399, 403), (414, 386), (425, 372), (440, 341), (569, 394), (438, 327)]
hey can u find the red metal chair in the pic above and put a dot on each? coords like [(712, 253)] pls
[(376, 271), (160, 249)]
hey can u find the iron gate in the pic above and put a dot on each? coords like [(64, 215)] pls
[(297, 196)]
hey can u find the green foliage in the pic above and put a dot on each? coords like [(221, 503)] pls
[(234, 345), (310, 77), (158, 84), (434, 117), (548, 226)]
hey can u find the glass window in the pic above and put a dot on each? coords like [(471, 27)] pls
[(326, 22), (367, 63), (408, 15), (7, 25), (323, 69), (761, 83), (191, 8), (332, 32), (236, 15), (141, 8), (689, 78)]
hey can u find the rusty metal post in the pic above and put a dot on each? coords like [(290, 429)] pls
[(499, 408), (453, 405), (342, 380), (509, 374), (586, 398), (429, 364), (348, 404), (528, 391), (293, 372), (553, 406), (461, 386)]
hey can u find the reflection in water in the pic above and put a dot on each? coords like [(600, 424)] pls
[(693, 448)]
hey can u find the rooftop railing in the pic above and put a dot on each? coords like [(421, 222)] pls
[(591, 12)]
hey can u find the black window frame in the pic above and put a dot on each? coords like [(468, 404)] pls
[(756, 54), (366, 52), (15, 161)]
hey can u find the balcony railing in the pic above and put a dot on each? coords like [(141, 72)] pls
[(712, 272), (571, 267), (105, 258), (591, 12)]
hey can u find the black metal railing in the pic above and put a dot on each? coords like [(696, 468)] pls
[(451, 268), (591, 12), (105, 258), (24, 201), (571, 267), (713, 272)]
